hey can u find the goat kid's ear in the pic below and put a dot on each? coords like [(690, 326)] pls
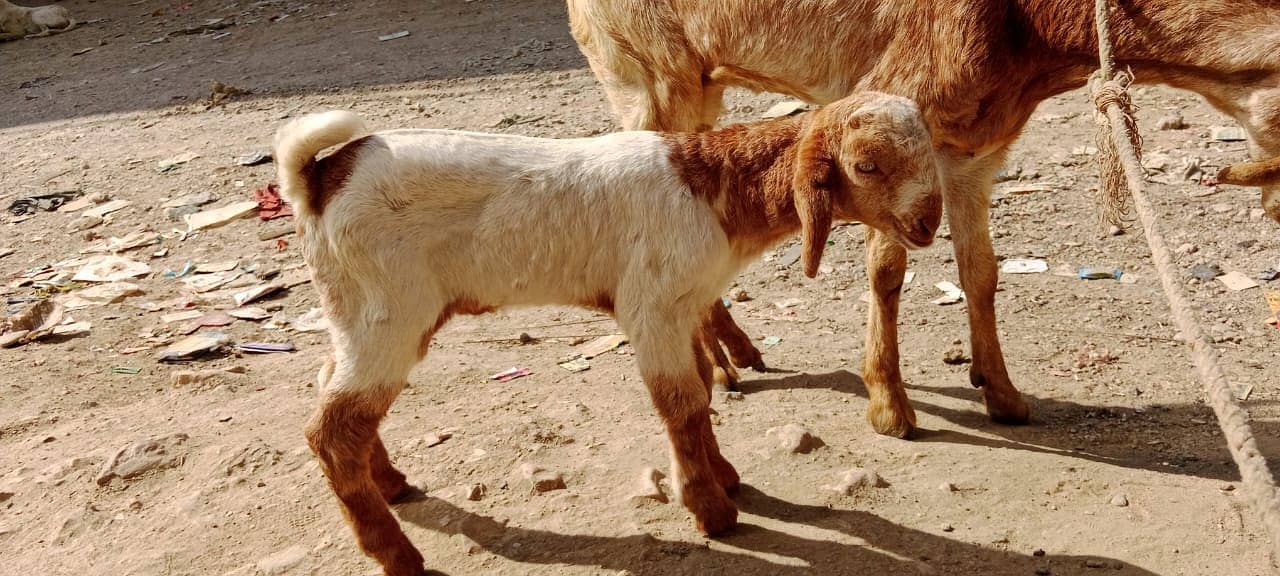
[(815, 173)]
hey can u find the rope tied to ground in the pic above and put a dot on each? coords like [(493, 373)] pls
[(1123, 170)]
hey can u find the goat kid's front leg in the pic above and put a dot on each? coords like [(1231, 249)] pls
[(968, 194), (343, 434), (889, 411), (698, 471)]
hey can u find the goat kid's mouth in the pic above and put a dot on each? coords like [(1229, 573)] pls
[(914, 236)]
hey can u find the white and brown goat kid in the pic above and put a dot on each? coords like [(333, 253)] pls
[(404, 229)]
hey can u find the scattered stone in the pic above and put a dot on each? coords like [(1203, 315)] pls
[(647, 487), (253, 158), (739, 295), (1038, 553), (1190, 169), (1171, 121), (313, 321), (194, 199), (856, 479), (194, 346), (535, 479), (948, 528), (955, 357), (219, 216), (794, 439), (785, 108), (1227, 134), (84, 223), (476, 492), (56, 474), (101, 210), (1205, 272), (276, 230), (948, 487), (110, 269), (1187, 249), (1114, 230), (437, 438), (109, 293), (282, 561), (181, 378), (1119, 501), (131, 461), (525, 339)]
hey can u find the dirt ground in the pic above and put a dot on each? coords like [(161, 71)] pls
[(224, 483)]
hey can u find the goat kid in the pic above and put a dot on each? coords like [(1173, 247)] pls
[(18, 22), (404, 229)]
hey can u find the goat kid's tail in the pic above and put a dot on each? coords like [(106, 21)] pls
[(297, 144)]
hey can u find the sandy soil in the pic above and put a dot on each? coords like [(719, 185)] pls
[(239, 493)]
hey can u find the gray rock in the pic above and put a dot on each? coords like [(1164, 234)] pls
[(140, 457), (647, 487), (794, 439), (537, 480), (1171, 121), (283, 561), (856, 479), (1119, 500)]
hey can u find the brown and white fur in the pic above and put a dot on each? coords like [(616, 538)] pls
[(977, 68), (17, 22), (404, 229)]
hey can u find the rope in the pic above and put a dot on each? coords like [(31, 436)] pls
[(1110, 97)]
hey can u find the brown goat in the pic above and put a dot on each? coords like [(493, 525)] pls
[(978, 68)]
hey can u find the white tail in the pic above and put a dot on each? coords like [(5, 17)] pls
[(297, 144)]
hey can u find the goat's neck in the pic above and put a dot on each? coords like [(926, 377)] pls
[(744, 174)]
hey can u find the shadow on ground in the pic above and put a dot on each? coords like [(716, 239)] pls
[(1165, 438), (888, 548), (154, 53)]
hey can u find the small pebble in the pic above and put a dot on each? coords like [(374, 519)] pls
[(739, 295), (794, 439), (1119, 500)]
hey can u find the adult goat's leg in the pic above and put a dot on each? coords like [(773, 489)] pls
[(968, 196), (889, 411), (709, 370)]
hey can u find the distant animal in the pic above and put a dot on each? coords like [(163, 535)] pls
[(977, 68), (404, 229), (18, 22)]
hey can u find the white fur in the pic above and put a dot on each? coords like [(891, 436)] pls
[(505, 220)]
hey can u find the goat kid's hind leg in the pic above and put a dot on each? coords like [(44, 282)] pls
[(723, 376), (358, 389), (725, 474), (967, 197), (679, 388), (888, 411)]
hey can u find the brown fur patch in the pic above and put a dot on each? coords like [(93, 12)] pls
[(465, 306), (343, 434), (602, 302), (746, 170), (327, 176)]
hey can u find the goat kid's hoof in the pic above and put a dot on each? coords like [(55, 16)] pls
[(717, 519), (887, 421), (1006, 408)]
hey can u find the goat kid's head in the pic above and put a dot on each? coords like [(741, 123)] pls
[(868, 157)]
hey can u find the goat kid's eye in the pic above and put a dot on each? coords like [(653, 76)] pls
[(866, 167)]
